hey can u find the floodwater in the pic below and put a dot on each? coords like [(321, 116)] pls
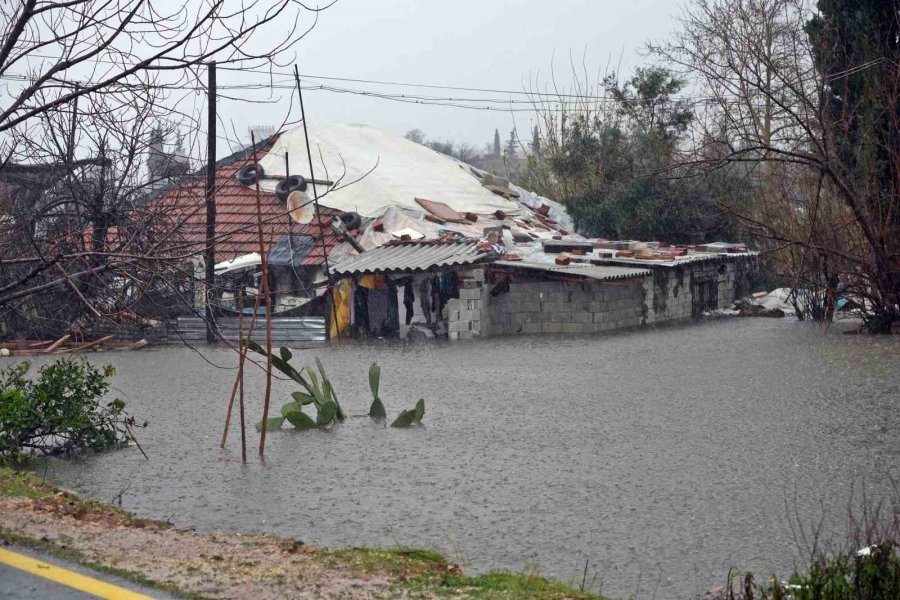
[(662, 457)]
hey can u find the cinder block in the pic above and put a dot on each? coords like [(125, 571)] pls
[(581, 317), (478, 274), (470, 294), (453, 326), (532, 328), (552, 307), (473, 304), (470, 315), (502, 318), (552, 327), (475, 326), (527, 306), (560, 317), (454, 335), (500, 306), (601, 317), (467, 335)]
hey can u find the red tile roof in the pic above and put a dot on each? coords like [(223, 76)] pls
[(184, 208)]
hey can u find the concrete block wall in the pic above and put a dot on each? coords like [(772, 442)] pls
[(670, 291), (465, 315), (672, 298), (563, 307)]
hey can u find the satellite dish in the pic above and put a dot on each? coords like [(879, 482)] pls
[(300, 207)]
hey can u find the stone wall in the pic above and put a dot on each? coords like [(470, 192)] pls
[(586, 306)]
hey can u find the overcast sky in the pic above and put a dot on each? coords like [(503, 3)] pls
[(465, 43)]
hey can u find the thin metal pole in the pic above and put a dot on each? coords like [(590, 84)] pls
[(312, 177), (209, 254)]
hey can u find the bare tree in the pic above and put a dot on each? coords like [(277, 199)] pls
[(54, 51), (89, 88), (768, 109)]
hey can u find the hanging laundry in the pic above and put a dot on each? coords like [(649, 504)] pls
[(425, 299), (409, 299)]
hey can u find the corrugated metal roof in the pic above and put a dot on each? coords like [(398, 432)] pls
[(410, 257), (590, 271), (680, 260)]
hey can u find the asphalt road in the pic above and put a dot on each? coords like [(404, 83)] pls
[(27, 575)]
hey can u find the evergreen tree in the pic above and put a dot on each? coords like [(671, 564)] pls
[(511, 143), (497, 151)]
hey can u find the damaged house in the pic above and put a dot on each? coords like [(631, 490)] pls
[(391, 239)]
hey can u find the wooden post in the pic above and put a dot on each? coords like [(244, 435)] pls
[(268, 299), (209, 254)]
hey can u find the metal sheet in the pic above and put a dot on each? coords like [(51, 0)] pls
[(590, 271), (681, 260), (285, 330), (412, 257)]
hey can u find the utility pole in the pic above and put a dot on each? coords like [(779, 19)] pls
[(312, 177), (209, 252)]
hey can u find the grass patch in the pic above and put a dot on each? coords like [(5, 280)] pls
[(494, 586), (53, 500), (397, 562), (18, 484)]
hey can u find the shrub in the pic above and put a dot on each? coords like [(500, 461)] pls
[(59, 412)]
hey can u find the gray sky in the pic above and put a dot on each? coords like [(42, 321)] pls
[(464, 43)]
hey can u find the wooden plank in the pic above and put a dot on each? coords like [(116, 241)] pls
[(440, 210), (57, 343), (84, 346)]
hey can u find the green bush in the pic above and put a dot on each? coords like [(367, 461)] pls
[(59, 412), (871, 574)]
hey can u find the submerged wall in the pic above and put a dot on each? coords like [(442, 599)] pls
[(686, 291), (550, 306)]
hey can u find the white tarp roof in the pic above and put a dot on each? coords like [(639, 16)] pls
[(405, 171)]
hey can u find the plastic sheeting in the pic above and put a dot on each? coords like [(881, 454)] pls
[(342, 298), (290, 250), (401, 171)]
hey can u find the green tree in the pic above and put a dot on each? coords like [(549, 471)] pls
[(621, 166), (856, 49)]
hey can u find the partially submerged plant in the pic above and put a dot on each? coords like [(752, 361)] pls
[(61, 411), (320, 394), (376, 411), (408, 417)]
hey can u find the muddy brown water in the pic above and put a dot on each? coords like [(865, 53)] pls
[(663, 457)]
